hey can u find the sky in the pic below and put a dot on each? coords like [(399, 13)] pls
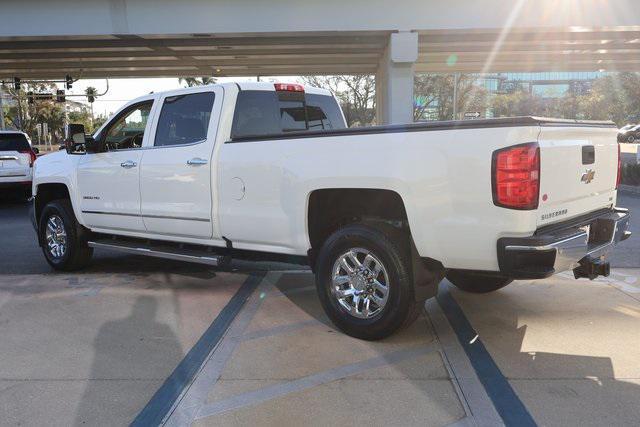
[(122, 91)]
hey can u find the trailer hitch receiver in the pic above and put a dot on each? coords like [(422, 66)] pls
[(591, 268)]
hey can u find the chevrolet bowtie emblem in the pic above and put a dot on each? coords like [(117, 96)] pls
[(588, 176)]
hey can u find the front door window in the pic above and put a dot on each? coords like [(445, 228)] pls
[(128, 130)]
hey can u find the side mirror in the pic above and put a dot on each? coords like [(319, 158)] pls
[(36, 150), (92, 146), (74, 139)]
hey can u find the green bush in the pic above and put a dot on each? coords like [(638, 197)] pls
[(631, 174)]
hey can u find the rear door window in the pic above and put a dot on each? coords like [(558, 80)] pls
[(256, 114), (184, 119), (261, 113), (13, 142)]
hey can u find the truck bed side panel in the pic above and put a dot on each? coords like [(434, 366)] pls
[(443, 177)]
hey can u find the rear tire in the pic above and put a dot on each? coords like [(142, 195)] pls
[(344, 290), (64, 240), (631, 139), (476, 283)]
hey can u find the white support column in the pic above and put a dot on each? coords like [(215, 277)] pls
[(394, 79), (1, 112)]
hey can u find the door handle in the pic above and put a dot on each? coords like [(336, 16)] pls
[(196, 161), (128, 164)]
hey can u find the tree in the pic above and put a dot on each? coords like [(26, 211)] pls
[(3, 109), (433, 95), (83, 117), (197, 81), (91, 93), (516, 103), (355, 93), (99, 121), (29, 116), (613, 97)]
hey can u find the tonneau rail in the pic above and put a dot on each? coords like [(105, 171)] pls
[(431, 126)]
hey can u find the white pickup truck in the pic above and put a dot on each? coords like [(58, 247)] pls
[(381, 214)]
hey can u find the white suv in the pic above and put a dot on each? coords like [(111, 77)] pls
[(16, 162)]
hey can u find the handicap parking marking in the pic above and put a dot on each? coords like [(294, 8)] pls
[(167, 396), (505, 400)]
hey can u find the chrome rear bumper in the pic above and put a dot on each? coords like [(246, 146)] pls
[(562, 249)]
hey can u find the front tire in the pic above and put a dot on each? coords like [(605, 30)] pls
[(364, 282), (64, 240), (631, 139), (476, 283)]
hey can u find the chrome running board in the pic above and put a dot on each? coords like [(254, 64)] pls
[(167, 252)]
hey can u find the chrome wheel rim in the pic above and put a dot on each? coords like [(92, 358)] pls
[(360, 283), (56, 237)]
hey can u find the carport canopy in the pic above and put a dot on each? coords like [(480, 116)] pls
[(162, 38)]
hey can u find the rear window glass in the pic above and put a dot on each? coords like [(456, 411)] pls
[(184, 119), (293, 116), (13, 142), (271, 113), (324, 113)]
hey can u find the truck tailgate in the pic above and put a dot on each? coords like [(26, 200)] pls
[(578, 171)]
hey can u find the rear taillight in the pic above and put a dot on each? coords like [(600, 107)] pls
[(288, 87), (32, 154), (619, 177), (516, 176)]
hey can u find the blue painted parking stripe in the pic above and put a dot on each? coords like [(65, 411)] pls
[(166, 396), (504, 398)]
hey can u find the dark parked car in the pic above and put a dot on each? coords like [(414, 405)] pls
[(629, 133)]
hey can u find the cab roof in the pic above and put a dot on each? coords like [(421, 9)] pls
[(266, 86), (269, 86)]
